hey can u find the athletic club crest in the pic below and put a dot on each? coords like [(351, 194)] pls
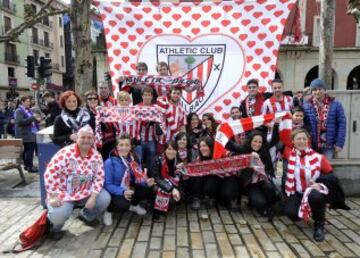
[(201, 61), (197, 59)]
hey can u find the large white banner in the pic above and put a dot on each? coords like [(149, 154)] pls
[(223, 44)]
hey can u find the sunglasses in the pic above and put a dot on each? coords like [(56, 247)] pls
[(92, 98)]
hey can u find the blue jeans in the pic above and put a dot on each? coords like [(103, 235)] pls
[(59, 215), (148, 152), (328, 152), (138, 150)]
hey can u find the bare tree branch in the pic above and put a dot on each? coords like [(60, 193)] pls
[(31, 20)]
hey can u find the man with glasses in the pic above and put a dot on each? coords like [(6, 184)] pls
[(327, 120)]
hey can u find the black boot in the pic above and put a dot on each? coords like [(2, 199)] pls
[(233, 205), (319, 231), (269, 214)]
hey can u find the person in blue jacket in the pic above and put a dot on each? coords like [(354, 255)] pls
[(125, 180), (327, 120)]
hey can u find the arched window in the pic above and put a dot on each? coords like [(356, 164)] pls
[(313, 73), (353, 80)]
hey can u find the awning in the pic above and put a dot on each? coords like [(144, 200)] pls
[(54, 87)]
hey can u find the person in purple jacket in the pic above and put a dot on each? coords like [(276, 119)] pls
[(327, 120)]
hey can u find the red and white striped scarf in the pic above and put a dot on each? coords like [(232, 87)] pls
[(303, 168), (163, 84), (162, 199), (127, 119), (221, 167), (322, 110), (305, 209), (227, 130), (175, 117)]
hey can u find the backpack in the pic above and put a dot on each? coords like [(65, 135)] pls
[(32, 235)]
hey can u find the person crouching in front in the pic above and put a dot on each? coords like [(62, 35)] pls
[(165, 171), (125, 180), (74, 178)]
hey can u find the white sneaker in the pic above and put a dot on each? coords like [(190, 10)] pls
[(137, 209), (107, 218)]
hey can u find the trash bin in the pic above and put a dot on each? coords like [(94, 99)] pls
[(46, 150)]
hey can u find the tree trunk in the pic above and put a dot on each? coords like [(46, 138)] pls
[(326, 41), (80, 22)]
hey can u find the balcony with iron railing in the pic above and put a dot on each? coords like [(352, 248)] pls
[(7, 6), (11, 58), (41, 42), (35, 40), (5, 29), (47, 23), (48, 44)]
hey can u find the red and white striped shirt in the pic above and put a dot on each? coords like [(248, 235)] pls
[(272, 105), (175, 118), (72, 177), (147, 132)]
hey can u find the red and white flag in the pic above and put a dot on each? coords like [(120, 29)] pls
[(227, 130), (223, 43)]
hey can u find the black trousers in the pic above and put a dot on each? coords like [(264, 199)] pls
[(317, 202), (28, 154), (230, 188), (119, 203), (204, 186), (262, 195)]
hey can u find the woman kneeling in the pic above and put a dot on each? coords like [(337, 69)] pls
[(125, 180), (310, 184), (164, 170)]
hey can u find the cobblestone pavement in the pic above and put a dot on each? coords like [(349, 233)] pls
[(181, 234)]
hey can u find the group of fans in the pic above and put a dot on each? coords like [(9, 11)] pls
[(137, 166)]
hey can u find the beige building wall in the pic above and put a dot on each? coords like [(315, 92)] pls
[(56, 47), (294, 64)]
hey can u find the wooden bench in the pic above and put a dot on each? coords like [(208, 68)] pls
[(12, 149)]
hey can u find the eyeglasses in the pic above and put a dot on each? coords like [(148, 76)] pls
[(92, 98)]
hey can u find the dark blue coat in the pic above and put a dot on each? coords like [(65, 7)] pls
[(336, 123), (114, 173)]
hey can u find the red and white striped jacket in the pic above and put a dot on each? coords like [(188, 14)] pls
[(71, 177), (272, 105), (147, 132), (175, 118)]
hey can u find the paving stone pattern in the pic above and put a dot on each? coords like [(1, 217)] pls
[(183, 234)]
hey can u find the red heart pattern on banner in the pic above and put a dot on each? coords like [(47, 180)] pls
[(259, 32)]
